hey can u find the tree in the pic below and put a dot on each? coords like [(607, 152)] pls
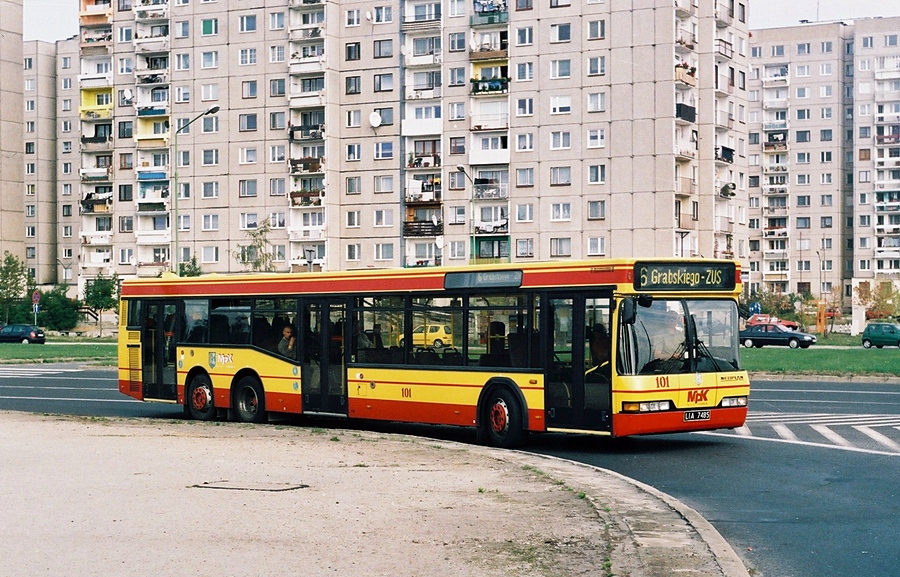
[(258, 254), (13, 280), (58, 311), (100, 295), (880, 302), (190, 268)]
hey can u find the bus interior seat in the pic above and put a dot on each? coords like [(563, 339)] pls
[(496, 337), (427, 357), (495, 360), (453, 358), (518, 349)]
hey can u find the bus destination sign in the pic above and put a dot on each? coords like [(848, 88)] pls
[(483, 279), (673, 276)]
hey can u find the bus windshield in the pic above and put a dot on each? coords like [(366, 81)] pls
[(680, 336)]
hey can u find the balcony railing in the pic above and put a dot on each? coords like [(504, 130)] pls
[(492, 85), (490, 191), (423, 228)]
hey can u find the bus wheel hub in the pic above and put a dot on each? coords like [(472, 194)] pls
[(201, 398), (499, 416)]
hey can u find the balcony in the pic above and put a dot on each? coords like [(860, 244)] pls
[(159, 43), (303, 133), (494, 227), (686, 113), (775, 189), (426, 59), (775, 232), (777, 79), (685, 8), (771, 125), (96, 143), (154, 110), (883, 139), (423, 228), (498, 121), (310, 197), (427, 22), (150, 78), (724, 84), (685, 186), (308, 32), (724, 48), (94, 37), (685, 42), (725, 154), (497, 15), (490, 191), (307, 65), (306, 99), (724, 120), (152, 237), (490, 86), (887, 74), (776, 168), (489, 52), (309, 165), (685, 221), (419, 192), (424, 161), (724, 16), (96, 174), (145, 175), (685, 77), (425, 92), (102, 112), (306, 3), (96, 238), (775, 146), (147, 208), (775, 103)]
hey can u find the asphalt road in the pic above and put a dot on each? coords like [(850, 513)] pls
[(809, 488)]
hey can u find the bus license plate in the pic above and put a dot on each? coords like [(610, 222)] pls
[(696, 416)]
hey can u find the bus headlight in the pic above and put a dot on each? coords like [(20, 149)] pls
[(646, 407), (734, 402)]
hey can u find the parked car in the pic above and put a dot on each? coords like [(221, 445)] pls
[(25, 334), (430, 336), (879, 334), (775, 334)]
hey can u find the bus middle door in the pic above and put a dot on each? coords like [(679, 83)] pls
[(324, 374), (162, 326)]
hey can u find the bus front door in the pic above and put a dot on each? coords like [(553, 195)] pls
[(323, 378), (578, 388), (161, 327)]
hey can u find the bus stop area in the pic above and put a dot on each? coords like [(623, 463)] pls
[(95, 496)]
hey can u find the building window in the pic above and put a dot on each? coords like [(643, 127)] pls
[(384, 82), (247, 23), (524, 177), (353, 85), (247, 122), (560, 176), (525, 247), (560, 32), (560, 247), (276, 87), (351, 51)]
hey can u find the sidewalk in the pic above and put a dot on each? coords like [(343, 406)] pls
[(89, 496)]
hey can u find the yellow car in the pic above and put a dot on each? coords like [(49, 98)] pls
[(430, 336)]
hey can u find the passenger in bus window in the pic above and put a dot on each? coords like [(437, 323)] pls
[(287, 346)]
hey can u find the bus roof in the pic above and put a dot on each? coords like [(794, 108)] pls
[(583, 273)]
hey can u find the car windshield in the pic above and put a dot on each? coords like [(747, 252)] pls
[(680, 336)]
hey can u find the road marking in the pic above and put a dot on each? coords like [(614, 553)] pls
[(69, 399), (744, 431), (826, 391), (785, 433), (804, 443), (59, 388), (878, 437), (831, 435)]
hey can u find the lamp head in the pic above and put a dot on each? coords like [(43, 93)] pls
[(213, 109), (460, 168)]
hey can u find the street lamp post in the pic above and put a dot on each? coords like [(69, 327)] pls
[(175, 191), (310, 254)]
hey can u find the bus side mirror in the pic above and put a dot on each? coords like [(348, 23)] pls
[(627, 312)]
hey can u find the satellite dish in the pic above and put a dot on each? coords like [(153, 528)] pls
[(368, 16), (375, 119), (127, 94), (434, 219)]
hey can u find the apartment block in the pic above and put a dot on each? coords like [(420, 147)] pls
[(403, 133), (801, 94), (12, 227)]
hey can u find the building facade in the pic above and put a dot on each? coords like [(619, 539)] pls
[(409, 133), (12, 225)]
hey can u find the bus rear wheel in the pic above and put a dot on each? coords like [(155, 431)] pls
[(249, 401), (199, 399), (501, 422)]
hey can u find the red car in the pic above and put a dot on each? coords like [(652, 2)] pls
[(761, 319)]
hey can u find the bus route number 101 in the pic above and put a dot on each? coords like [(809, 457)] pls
[(662, 382)]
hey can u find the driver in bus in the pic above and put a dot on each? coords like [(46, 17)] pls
[(600, 346)]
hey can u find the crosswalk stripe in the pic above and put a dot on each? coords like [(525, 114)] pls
[(831, 435), (785, 433), (878, 437), (744, 431)]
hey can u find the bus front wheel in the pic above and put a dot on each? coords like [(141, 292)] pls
[(199, 399), (249, 401), (501, 422)]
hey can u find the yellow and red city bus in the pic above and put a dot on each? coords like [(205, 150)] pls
[(611, 347)]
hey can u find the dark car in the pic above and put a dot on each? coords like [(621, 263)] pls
[(26, 334), (772, 334), (879, 334)]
